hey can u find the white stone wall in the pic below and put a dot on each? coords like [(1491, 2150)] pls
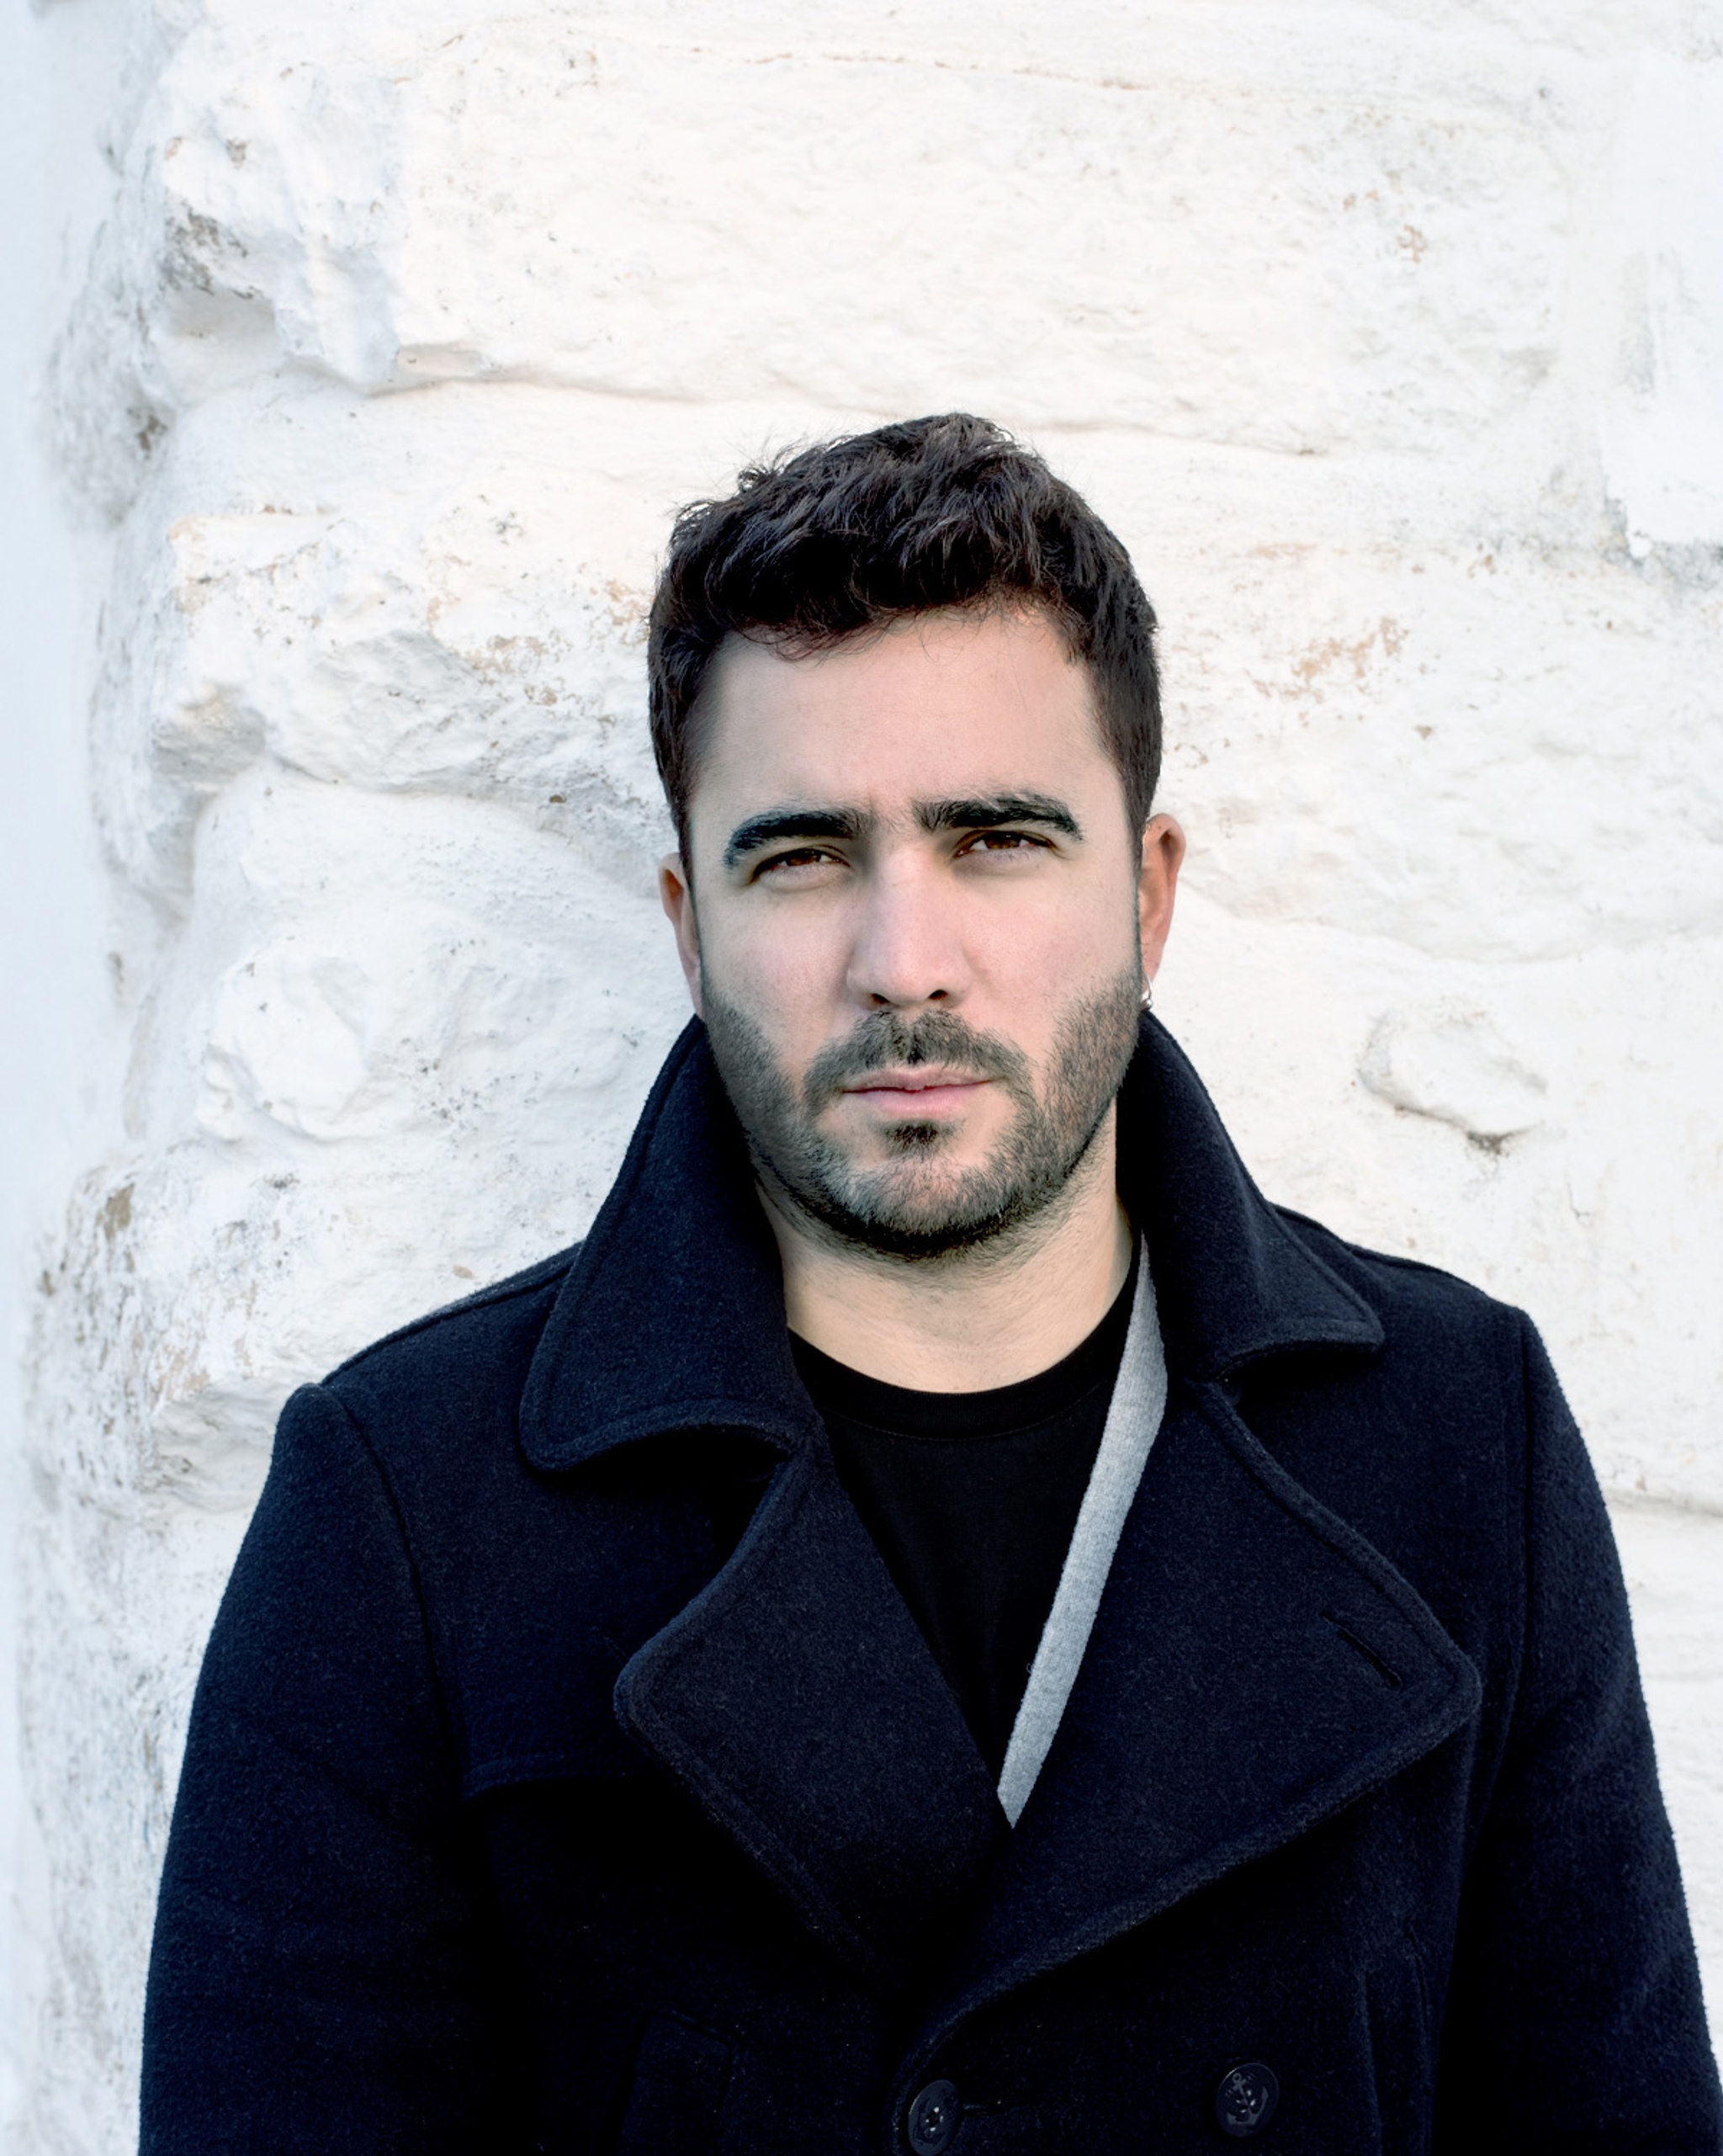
[(1390, 335)]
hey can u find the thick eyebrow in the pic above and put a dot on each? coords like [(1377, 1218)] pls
[(991, 815), (775, 824)]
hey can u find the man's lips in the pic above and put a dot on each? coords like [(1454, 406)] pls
[(917, 1092)]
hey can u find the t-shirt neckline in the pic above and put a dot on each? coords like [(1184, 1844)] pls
[(999, 1411)]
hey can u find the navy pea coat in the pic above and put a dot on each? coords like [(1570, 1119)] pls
[(566, 1773)]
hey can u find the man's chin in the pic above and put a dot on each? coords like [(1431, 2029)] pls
[(876, 1142), (910, 1216)]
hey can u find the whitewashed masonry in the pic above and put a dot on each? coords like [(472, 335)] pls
[(1390, 335)]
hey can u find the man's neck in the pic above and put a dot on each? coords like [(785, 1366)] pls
[(974, 1319)]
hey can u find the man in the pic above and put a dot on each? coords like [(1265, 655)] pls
[(949, 1622)]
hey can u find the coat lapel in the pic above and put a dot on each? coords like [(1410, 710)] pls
[(798, 1701), (1255, 1665)]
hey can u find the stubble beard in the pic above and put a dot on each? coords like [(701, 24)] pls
[(917, 1204)]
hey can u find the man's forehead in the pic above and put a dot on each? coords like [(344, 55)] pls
[(943, 643), (933, 707)]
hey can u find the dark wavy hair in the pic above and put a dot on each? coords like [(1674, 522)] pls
[(944, 511)]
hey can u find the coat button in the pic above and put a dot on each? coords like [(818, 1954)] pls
[(1245, 2100), (932, 2119)]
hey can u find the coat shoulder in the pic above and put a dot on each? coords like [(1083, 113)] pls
[(462, 1364), (547, 1273), (1413, 1297), (535, 1586)]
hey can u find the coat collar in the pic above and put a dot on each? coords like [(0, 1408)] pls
[(1233, 1283), (672, 1314), (794, 1696)]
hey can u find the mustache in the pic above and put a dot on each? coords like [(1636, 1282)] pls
[(884, 1041)]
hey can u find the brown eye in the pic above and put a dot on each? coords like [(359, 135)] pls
[(1003, 842), (803, 856)]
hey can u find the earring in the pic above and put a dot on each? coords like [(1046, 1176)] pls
[(1148, 995)]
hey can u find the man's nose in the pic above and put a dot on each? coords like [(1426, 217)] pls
[(907, 951)]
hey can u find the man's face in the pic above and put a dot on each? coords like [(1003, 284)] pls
[(915, 922)]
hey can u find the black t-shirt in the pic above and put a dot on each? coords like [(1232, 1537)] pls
[(972, 1498)]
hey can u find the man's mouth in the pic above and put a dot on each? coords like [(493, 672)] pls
[(927, 1090)]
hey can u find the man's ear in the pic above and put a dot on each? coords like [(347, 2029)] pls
[(1162, 853), (676, 894)]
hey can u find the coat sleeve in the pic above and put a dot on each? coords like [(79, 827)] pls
[(313, 1983), (1575, 2022)]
